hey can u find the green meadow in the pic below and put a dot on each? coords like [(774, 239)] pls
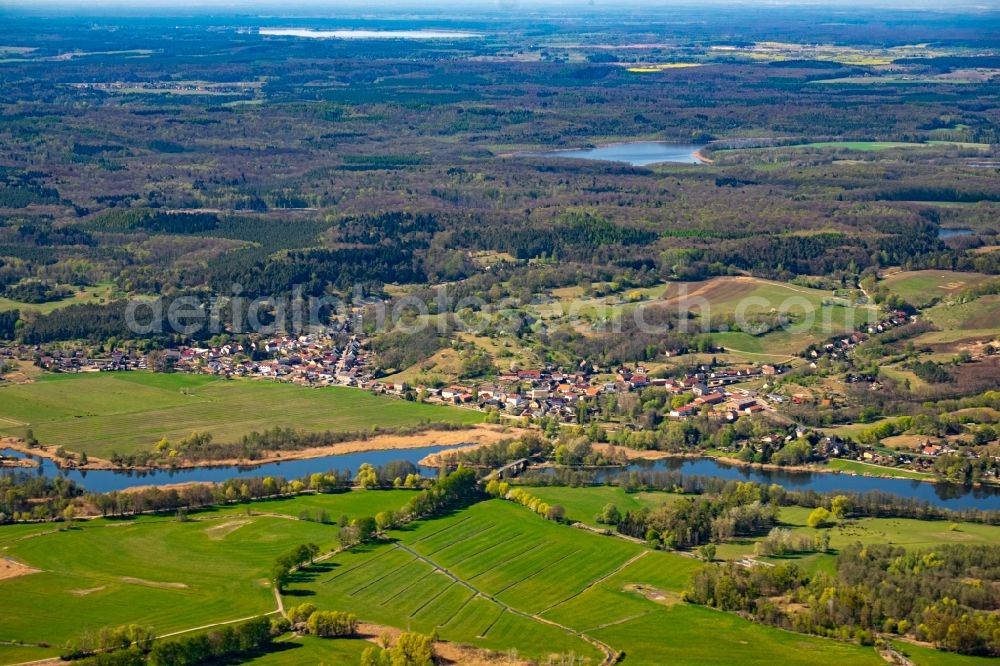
[(497, 576), (814, 315), (493, 575), (925, 656), (916, 534), (981, 314), (158, 571), (875, 470), (95, 294), (584, 504), (101, 413), (298, 650), (920, 288)]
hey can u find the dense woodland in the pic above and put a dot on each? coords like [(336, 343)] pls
[(337, 166)]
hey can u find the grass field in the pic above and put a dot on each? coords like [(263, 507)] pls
[(95, 294), (694, 635), (981, 314), (919, 288), (160, 572), (16, 654), (298, 650), (925, 656), (104, 412), (876, 470), (157, 572), (865, 146), (814, 314), (583, 504), (457, 574), (494, 575)]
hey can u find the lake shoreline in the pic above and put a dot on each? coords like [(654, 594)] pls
[(672, 153)]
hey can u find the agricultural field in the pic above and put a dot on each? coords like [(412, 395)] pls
[(100, 413), (920, 288), (814, 314), (494, 575), (164, 573), (153, 571)]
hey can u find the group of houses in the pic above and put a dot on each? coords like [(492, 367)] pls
[(312, 360), (841, 346)]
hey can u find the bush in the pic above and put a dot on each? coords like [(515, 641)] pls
[(818, 518)]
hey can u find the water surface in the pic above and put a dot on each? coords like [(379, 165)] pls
[(944, 495), (639, 153), (367, 34), (103, 481), (948, 496), (951, 233)]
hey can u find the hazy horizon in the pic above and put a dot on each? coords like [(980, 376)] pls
[(318, 7)]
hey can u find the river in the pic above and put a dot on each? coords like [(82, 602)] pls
[(944, 495), (949, 496), (103, 480)]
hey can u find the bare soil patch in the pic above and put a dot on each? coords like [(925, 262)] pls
[(655, 595), (447, 653), (154, 583), (219, 532), (11, 569)]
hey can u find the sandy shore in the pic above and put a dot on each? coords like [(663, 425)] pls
[(436, 459), (698, 155)]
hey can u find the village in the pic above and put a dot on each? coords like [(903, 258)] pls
[(565, 396), (340, 357)]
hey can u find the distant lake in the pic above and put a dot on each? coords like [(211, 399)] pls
[(639, 153), (951, 233), (368, 34)]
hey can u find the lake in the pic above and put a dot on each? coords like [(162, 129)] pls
[(367, 34), (640, 153), (944, 495), (951, 233)]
